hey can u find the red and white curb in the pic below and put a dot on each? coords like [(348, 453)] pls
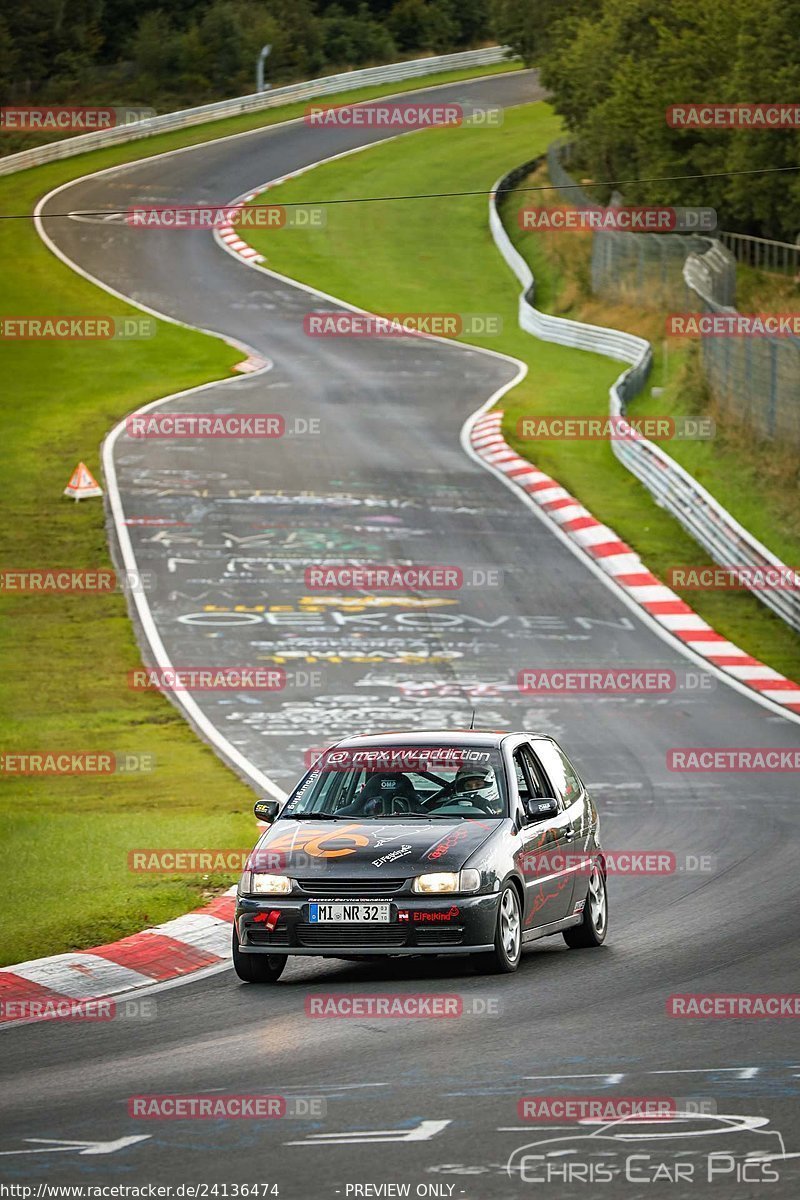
[(603, 546), (191, 943), (232, 241), (250, 364), (231, 237)]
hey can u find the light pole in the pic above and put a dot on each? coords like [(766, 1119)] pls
[(260, 85)]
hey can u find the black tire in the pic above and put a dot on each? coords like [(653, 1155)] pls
[(594, 926), (257, 968), (504, 959)]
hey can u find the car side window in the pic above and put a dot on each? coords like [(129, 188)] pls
[(561, 773), (530, 779), (522, 780), (539, 785)]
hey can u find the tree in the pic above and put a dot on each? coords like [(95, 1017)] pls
[(156, 51), (9, 58), (766, 67), (221, 40), (353, 39), (471, 20), (535, 28), (408, 24)]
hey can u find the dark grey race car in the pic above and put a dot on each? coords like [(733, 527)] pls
[(424, 843)]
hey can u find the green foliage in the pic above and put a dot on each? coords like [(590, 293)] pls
[(185, 52), (536, 28), (615, 66)]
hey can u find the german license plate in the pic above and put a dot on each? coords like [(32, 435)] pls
[(377, 913)]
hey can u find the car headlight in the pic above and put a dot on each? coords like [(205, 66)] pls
[(439, 882), (256, 883)]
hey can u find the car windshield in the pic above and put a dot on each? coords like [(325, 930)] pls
[(428, 782)]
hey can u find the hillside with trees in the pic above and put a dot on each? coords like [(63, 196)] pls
[(615, 66), (167, 54)]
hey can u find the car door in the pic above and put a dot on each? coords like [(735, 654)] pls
[(546, 847), (576, 807)]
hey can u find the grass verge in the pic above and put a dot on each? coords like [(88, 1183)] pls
[(383, 257), (65, 658)]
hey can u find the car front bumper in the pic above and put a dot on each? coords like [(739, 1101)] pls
[(418, 925)]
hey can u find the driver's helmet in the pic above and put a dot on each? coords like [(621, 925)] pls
[(477, 783)]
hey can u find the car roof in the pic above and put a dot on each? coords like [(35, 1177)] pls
[(428, 737)]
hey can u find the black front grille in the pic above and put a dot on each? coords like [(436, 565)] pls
[(258, 936), (350, 887), (440, 936), (360, 934)]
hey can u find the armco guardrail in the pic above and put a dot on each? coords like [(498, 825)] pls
[(326, 86), (671, 486), (763, 253)]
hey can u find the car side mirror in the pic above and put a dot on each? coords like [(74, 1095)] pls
[(266, 810), (541, 808)]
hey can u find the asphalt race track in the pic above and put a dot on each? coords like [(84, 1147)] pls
[(428, 1103)]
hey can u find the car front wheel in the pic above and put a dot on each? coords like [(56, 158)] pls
[(594, 926), (257, 968), (505, 956)]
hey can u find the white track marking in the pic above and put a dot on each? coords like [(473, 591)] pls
[(741, 1072), (617, 1077), (51, 1146), (421, 1133)]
